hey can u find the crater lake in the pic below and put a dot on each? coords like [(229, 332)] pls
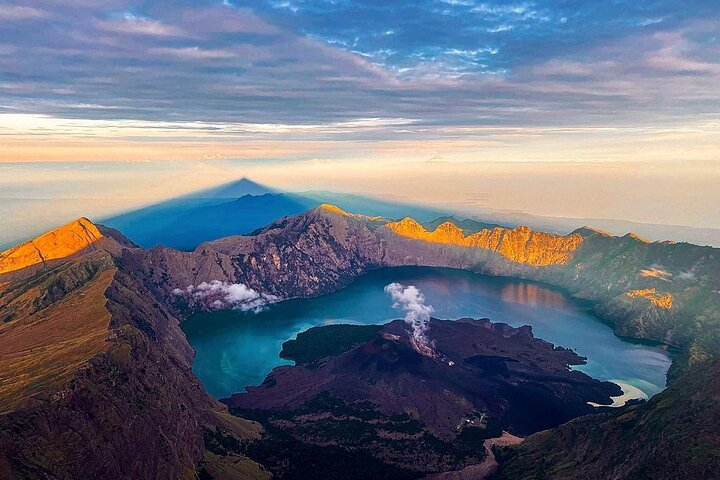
[(236, 349)]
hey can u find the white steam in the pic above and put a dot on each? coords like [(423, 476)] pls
[(219, 295), (686, 276), (412, 301), (656, 271)]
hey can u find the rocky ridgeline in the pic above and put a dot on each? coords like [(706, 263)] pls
[(128, 392), (95, 374), (57, 244), (325, 248), (521, 244)]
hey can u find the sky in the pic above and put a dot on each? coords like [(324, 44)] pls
[(555, 107)]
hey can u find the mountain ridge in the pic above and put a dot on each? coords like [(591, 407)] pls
[(56, 244), (283, 260), (520, 244), (378, 236), (96, 376), (673, 435)]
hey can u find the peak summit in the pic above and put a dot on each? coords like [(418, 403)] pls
[(636, 237), (53, 245), (587, 231), (334, 209), (328, 207)]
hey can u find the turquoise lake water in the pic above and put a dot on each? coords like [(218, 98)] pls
[(236, 349)]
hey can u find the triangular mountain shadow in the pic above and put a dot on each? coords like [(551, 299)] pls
[(159, 223), (238, 208), (234, 189)]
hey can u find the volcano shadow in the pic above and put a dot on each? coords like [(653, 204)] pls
[(186, 221), (238, 208)]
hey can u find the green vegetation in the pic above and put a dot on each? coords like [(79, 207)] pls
[(327, 341), (475, 435), (329, 438), (674, 435)]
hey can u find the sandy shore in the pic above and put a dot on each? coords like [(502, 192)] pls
[(630, 392)]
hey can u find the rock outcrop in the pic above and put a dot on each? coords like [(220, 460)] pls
[(660, 300), (521, 244), (57, 244)]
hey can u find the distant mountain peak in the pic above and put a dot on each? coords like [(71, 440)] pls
[(234, 189), (586, 231), (636, 237), (53, 245), (407, 227), (448, 227), (468, 226), (333, 209)]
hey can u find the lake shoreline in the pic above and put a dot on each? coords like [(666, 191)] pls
[(238, 349)]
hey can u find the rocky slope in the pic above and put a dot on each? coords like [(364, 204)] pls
[(95, 378), (468, 226), (521, 244), (416, 410), (57, 244), (674, 435)]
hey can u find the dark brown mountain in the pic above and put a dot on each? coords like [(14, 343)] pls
[(414, 409), (95, 378), (674, 435)]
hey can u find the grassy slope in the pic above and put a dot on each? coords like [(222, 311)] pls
[(674, 435), (96, 383), (44, 345)]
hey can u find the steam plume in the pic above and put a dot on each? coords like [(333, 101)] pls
[(218, 295), (412, 301)]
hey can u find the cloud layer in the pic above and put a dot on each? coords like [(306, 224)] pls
[(219, 295), (297, 62), (311, 93)]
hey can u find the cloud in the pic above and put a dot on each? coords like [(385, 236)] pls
[(14, 12), (192, 53), (524, 10), (650, 21), (329, 68), (686, 276), (14, 123), (219, 295), (464, 3), (500, 28), (134, 25), (412, 301), (656, 272), (227, 19)]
